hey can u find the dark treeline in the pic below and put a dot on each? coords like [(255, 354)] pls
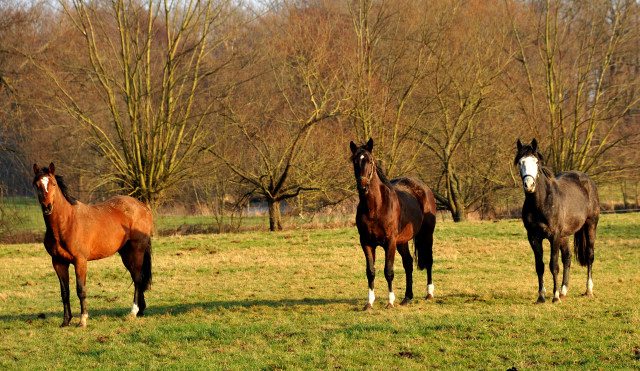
[(213, 103)]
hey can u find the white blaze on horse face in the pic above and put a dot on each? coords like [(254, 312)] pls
[(529, 172), (392, 297), (362, 157), (372, 297), (134, 310), (45, 183)]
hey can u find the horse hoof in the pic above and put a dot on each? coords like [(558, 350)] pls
[(540, 300), (64, 324), (556, 300), (588, 294), (389, 306), (429, 297), (405, 301), (367, 307)]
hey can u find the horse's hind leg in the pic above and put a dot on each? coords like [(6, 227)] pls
[(62, 270), (424, 252), (591, 241), (133, 256), (407, 263), (390, 255)]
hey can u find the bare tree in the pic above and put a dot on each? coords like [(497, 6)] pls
[(151, 65), (274, 118)]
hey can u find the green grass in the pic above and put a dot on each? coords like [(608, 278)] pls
[(292, 300)]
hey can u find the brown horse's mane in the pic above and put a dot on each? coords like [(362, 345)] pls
[(61, 184), (382, 176)]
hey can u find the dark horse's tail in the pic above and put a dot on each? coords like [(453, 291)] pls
[(581, 245), (146, 269)]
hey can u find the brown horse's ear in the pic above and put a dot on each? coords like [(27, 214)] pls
[(534, 144), (353, 147), (519, 144), (52, 169), (36, 169), (369, 145)]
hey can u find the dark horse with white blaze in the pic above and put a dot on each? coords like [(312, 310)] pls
[(77, 233), (556, 207), (390, 214)]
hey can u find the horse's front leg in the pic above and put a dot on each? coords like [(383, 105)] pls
[(554, 267), (390, 254), (370, 255), (62, 270), (536, 246), (566, 266), (81, 278)]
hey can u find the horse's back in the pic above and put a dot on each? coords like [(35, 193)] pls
[(114, 222), (579, 188), (419, 191)]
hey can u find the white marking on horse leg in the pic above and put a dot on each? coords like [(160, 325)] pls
[(45, 183), (563, 290), (83, 319), (430, 289), (372, 297), (134, 310), (556, 295), (589, 287), (392, 297)]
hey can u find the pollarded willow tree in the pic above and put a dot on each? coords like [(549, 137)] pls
[(153, 66)]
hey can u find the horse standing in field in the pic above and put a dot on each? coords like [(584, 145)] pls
[(391, 213), (556, 208), (77, 233)]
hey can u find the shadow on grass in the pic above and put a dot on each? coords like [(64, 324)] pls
[(178, 309)]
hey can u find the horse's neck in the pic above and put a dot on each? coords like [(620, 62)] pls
[(62, 215), (374, 199), (543, 192)]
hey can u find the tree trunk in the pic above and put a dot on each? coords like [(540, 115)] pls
[(275, 218)]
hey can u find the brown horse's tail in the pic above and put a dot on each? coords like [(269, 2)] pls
[(581, 245), (146, 269)]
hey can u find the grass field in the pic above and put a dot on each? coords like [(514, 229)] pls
[(292, 300)]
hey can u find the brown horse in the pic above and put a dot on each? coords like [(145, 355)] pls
[(77, 233), (390, 214)]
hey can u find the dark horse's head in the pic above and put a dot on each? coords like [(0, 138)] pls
[(364, 165), (528, 158), (46, 184)]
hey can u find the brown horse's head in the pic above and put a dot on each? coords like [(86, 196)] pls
[(46, 187), (364, 166), (529, 160)]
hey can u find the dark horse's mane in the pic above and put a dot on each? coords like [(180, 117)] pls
[(61, 184)]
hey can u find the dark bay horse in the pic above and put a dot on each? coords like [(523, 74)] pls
[(77, 233), (390, 214), (556, 207)]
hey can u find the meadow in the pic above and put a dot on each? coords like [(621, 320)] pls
[(293, 300)]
